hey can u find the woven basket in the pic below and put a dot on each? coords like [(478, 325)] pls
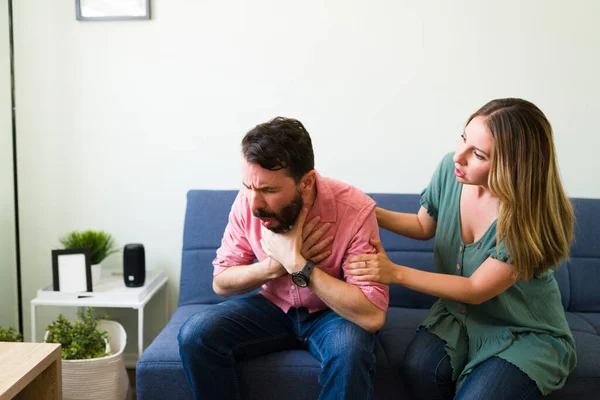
[(102, 378)]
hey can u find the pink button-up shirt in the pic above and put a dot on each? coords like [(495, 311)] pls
[(351, 214)]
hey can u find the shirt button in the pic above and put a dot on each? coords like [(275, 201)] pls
[(293, 287), (460, 323), (457, 266), (463, 310), (460, 248)]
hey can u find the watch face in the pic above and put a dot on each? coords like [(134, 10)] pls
[(299, 280)]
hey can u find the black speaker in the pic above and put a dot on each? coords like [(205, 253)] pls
[(134, 265)]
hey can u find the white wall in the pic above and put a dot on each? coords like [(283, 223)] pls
[(117, 120), (8, 266)]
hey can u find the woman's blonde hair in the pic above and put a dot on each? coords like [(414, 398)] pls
[(536, 218)]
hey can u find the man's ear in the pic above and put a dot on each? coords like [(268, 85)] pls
[(308, 181)]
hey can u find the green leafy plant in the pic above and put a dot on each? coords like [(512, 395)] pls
[(10, 335), (80, 339), (101, 243)]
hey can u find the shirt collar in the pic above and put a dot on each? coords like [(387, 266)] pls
[(325, 200)]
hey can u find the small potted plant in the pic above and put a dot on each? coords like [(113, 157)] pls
[(100, 243), (80, 339), (92, 352), (10, 335)]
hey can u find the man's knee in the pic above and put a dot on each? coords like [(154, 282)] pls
[(352, 344), (197, 330)]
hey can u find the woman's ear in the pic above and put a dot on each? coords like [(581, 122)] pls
[(308, 181)]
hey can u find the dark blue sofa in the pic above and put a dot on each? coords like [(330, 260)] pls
[(293, 374)]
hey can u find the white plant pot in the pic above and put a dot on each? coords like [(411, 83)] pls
[(101, 378), (96, 273)]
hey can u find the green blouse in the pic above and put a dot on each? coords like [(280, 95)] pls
[(525, 325)]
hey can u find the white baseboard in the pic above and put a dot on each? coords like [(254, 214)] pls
[(130, 359)]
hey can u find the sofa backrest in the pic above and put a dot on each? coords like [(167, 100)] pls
[(206, 217), (580, 281), (404, 251), (205, 220)]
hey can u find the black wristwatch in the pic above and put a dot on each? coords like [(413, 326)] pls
[(302, 278)]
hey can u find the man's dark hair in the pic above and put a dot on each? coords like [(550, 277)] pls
[(281, 143)]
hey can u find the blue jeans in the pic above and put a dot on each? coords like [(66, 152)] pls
[(429, 373), (213, 341)]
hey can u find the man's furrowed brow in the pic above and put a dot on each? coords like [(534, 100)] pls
[(260, 188)]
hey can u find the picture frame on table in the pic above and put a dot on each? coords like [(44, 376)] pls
[(72, 270), (111, 10)]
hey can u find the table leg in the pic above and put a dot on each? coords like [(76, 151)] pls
[(140, 332), (33, 323), (46, 386), (166, 304)]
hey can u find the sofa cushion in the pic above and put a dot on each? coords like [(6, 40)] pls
[(587, 234), (401, 296), (591, 318), (196, 282), (160, 370), (196, 286), (206, 216), (563, 278), (407, 203), (584, 381), (584, 276), (577, 323), (399, 329), (576, 278), (584, 265), (165, 347)]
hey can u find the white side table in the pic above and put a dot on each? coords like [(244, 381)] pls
[(111, 292)]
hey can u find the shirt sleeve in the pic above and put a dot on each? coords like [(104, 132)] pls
[(235, 248), (431, 196), (377, 293), (499, 253)]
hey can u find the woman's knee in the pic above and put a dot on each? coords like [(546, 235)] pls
[(496, 378), (426, 357)]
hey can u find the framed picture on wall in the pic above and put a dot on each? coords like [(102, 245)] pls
[(112, 10), (72, 270)]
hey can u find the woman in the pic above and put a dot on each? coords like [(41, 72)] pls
[(501, 222)]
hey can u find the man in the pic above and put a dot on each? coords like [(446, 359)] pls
[(302, 305)]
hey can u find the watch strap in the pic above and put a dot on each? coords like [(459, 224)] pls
[(308, 267)]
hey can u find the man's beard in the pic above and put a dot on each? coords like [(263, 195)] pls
[(287, 217)]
